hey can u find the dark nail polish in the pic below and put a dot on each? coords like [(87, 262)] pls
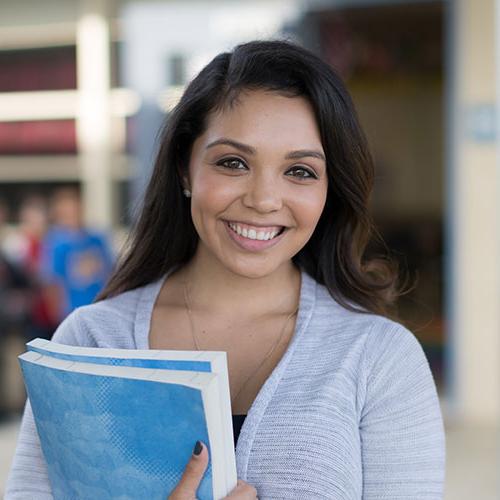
[(197, 448)]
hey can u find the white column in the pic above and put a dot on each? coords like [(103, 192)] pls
[(474, 273), (94, 118)]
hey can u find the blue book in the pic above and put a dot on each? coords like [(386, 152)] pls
[(122, 423)]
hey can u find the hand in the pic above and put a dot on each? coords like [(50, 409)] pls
[(193, 473)]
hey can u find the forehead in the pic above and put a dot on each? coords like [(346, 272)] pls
[(261, 115)]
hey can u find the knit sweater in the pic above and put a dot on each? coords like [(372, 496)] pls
[(350, 411)]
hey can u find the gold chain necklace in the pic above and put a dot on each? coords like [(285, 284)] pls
[(191, 324)]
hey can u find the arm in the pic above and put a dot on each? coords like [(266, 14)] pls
[(28, 478), (401, 426), (28, 474)]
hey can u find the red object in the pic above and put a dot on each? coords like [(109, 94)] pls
[(46, 137), (40, 307), (48, 68)]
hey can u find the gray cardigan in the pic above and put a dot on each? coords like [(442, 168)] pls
[(350, 411)]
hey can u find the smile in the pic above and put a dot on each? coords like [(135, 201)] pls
[(255, 232), (254, 238)]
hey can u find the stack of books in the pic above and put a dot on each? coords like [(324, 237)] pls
[(122, 423)]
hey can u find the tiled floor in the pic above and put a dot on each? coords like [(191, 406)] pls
[(472, 467)]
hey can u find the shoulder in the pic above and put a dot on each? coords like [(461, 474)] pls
[(333, 317), (386, 357), (91, 238), (53, 235), (96, 236), (107, 323), (378, 339)]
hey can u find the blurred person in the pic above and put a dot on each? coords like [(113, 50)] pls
[(24, 248), (75, 261), (15, 305), (251, 240), (5, 228)]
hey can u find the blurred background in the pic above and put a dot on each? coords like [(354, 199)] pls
[(85, 85)]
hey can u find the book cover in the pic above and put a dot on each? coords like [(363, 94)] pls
[(209, 361), (111, 431)]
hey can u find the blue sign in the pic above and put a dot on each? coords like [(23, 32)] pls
[(480, 125)]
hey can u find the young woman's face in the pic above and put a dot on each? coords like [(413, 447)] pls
[(258, 181)]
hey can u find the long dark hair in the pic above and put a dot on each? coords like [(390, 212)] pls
[(164, 235)]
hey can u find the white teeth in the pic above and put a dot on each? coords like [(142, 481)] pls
[(252, 233)]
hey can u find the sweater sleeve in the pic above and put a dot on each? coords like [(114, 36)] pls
[(401, 426), (28, 478)]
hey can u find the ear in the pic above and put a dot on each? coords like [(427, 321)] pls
[(184, 179)]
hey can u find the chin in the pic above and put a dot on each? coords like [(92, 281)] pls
[(255, 270)]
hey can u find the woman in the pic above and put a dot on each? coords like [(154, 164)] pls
[(252, 240)]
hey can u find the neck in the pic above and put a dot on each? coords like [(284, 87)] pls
[(214, 288)]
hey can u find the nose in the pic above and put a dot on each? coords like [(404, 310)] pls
[(263, 194)]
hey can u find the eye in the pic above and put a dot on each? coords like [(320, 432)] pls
[(232, 163), (302, 173)]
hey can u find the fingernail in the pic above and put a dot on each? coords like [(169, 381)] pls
[(197, 448)]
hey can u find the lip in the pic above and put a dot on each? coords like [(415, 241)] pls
[(252, 245)]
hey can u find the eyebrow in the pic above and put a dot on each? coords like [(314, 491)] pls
[(245, 148)]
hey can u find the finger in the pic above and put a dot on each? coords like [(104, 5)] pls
[(243, 491), (193, 473)]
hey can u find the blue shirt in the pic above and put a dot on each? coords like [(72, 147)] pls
[(79, 260)]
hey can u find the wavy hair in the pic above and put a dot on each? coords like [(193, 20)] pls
[(164, 236)]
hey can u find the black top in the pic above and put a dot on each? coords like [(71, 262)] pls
[(237, 423)]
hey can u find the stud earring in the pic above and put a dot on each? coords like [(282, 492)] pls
[(186, 193)]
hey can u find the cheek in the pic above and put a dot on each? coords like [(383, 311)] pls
[(212, 195), (308, 209), (212, 189)]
